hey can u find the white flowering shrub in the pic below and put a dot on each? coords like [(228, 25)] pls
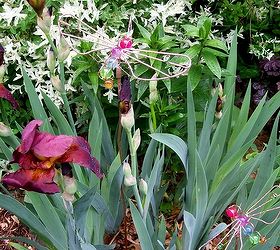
[(26, 45)]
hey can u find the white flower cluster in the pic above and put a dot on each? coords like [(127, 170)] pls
[(11, 14), (262, 46), (171, 8), (32, 54)]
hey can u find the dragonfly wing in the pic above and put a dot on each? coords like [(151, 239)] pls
[(266, 203), (223, 236), (149, 63), (75, 31)]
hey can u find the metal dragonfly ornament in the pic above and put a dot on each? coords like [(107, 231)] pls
[(243, 223), (121, 53)]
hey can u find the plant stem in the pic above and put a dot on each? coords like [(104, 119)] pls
[(153, 115), (52, 44), (62, 79), (64, 97), (134, 170)]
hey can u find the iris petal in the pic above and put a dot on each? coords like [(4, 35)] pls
[(48, 145), (26, 161), (28, 135), (6, 94), (38, 180), (79, 153)]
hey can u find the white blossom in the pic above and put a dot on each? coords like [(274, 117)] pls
[(12, 15), (171, 8), (110, 95), (76, 8)]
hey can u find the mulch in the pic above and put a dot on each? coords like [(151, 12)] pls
[(10, 226)]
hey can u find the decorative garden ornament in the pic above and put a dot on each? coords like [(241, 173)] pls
[(243, 222)]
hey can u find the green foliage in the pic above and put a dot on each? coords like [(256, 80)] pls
[(215, 158), (207, 50), (182, 117)]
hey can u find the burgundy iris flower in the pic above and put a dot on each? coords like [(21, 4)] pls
[(6, 94), (38, 154)]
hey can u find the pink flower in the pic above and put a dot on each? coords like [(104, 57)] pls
[(6, 94), (38, 154)]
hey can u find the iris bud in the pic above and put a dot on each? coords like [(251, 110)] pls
[(70, 188), (45, 20), (136, 139), (153, 90), (57, 84), (70, 185), (51, 60), (63, 50), (129, 181), (37, 5), (126, 169), (5, 131), (2, 51), (220, 90), (218, 115), (143, 186), (127, 120)]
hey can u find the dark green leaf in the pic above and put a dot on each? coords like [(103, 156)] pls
[(194, 75), (212, 63), (193, 51), (218, 44), (94, 79), (145, 33), (191, 30)]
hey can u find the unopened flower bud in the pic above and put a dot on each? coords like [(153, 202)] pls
[(143, 186), (129, 181), (153, 91), (70, 185), (219, 104), (5, 131), (2, 72), (57, 84), (136, 139), (127, 120), (126, 169), (51, 60), (45, 20), (37, 5), (220, 90), (2, 51), (68, 197), (63, 49), (218, 115)]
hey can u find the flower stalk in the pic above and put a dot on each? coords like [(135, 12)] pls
[(64, 96), (153, 99), (134, 169)]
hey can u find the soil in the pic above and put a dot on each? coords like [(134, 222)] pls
[(10, 226)]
